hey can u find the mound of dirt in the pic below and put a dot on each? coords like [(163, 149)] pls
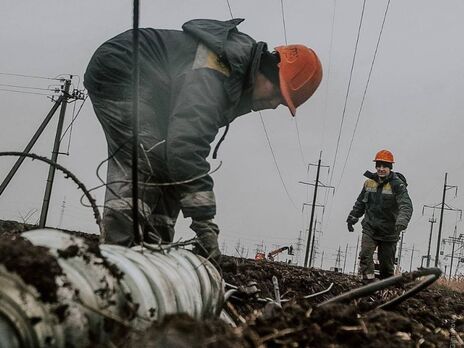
[(432, 318)]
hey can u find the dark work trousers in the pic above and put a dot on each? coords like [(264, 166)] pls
[(158, 206), (386, 256)]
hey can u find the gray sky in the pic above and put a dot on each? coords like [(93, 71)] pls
[(413, 107)]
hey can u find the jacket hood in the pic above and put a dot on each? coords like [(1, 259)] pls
[(236, 49)]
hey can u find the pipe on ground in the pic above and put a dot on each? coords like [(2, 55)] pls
[(103, 286)]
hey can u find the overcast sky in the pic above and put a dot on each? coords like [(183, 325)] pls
[(413, 106)]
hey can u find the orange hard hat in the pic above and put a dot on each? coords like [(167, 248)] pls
[(300, 73), (384, 156)]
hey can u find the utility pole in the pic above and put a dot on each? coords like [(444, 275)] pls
[(412, 255), (346, 254), (63, 207), (443, 207), (322, 258), (356, 257), (338, 259), (445, 187), (432, 220), (299, 247), (237, 248), (454, 239), (313, 206), (63, 100), (312, 243), (56, 151)]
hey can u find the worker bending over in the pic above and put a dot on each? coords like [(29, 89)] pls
[(192, 82)]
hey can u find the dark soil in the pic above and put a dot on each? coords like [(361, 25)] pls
[(34, 264), (422, 321)]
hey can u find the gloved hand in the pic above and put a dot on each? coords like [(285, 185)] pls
[(351, 220), (399, 228), (207, 245)]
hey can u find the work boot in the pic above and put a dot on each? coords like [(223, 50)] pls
[(207, 243)]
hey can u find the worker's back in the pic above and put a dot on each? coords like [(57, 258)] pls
[(162, 55)]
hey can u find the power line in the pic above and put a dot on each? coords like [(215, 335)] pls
[(69, 127), (347, 92), (283, 20), (365, 91), (23, 92), (230, 9), (286, 43), (275, 160), (28, 87), (264, 126), (328, 74), (326, 193), (299, 143), (30, 76)]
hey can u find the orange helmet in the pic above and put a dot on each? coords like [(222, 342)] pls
[(300, 73), (384, 156)]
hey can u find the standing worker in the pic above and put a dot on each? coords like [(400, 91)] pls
[(384, 201), (192, 82)]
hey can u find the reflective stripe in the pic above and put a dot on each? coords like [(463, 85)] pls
[(205, 58), (126, 203), (196, 199), (371, 186), (387, 189)]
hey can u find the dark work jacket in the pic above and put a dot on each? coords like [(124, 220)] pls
[(198, 80), (384, 205)]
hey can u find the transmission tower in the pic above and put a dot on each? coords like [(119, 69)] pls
[(316, 185), (455, 239), (443, 207)]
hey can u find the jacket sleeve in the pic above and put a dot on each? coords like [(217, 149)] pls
[(404, 205), (360, 205), (198, 106)]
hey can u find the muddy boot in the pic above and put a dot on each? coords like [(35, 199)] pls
[(207, 244)]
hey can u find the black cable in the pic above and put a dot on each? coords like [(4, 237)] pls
[(28, 87), (275, 161), (347, 93), (326, 193), (283, 20), (296, 121), (24, 92), (73, 119), (365, 91), (30, 76), (230, 9), (68, 174)]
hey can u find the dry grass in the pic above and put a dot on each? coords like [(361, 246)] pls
[(456, 284)]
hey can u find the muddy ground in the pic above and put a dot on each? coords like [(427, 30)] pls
[(432, 318)]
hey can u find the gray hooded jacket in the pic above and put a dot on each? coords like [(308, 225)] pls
[(197, 80)]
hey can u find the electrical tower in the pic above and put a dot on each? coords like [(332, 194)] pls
[(63, 207), (316, 185), (299, 247), (344, 259), (453, 240), (443, 207), (338, 259)]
